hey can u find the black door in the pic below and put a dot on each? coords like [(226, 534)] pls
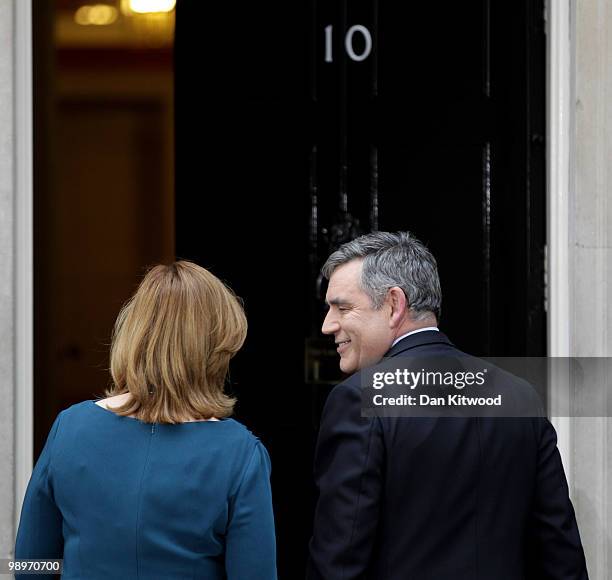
[(302, 124)]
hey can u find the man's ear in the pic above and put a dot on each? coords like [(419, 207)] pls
[(399, 305)]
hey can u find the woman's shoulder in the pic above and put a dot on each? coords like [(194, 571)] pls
[(74, 411), (242, 432)]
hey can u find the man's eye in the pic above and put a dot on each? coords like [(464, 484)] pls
[(342, 308)]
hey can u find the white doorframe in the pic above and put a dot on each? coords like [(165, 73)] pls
[(24, 230), (559, 124)]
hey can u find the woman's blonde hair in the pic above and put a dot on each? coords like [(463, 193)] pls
[(172, 344)]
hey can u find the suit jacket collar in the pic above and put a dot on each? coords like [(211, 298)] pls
[(418, 339)]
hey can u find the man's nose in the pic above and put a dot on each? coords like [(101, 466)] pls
[(330, 325)]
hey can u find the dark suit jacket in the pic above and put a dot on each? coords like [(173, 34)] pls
[(439, 498)]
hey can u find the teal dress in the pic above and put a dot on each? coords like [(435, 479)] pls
[(118, 498)]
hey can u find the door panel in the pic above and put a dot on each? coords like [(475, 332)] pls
[(438, 131)]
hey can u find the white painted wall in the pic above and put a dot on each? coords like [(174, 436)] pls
[(590, 266), (7, 279), (15, 263)]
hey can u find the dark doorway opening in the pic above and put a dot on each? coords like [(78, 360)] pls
[(103, 188)]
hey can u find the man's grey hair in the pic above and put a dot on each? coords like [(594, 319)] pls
[(393, 259)]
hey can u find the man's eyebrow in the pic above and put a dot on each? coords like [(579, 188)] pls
[(337, 302)]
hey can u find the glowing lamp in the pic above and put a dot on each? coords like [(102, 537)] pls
[(96, 15), (151, 6)]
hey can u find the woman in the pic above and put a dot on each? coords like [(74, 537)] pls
[(155, 481)]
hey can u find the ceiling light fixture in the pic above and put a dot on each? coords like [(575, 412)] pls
[(150, 6)]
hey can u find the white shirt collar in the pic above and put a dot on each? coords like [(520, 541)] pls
[(414, 332)]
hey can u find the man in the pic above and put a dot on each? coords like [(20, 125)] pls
[(426, 498)]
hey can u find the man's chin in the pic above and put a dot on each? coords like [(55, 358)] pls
[(347, 368)]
